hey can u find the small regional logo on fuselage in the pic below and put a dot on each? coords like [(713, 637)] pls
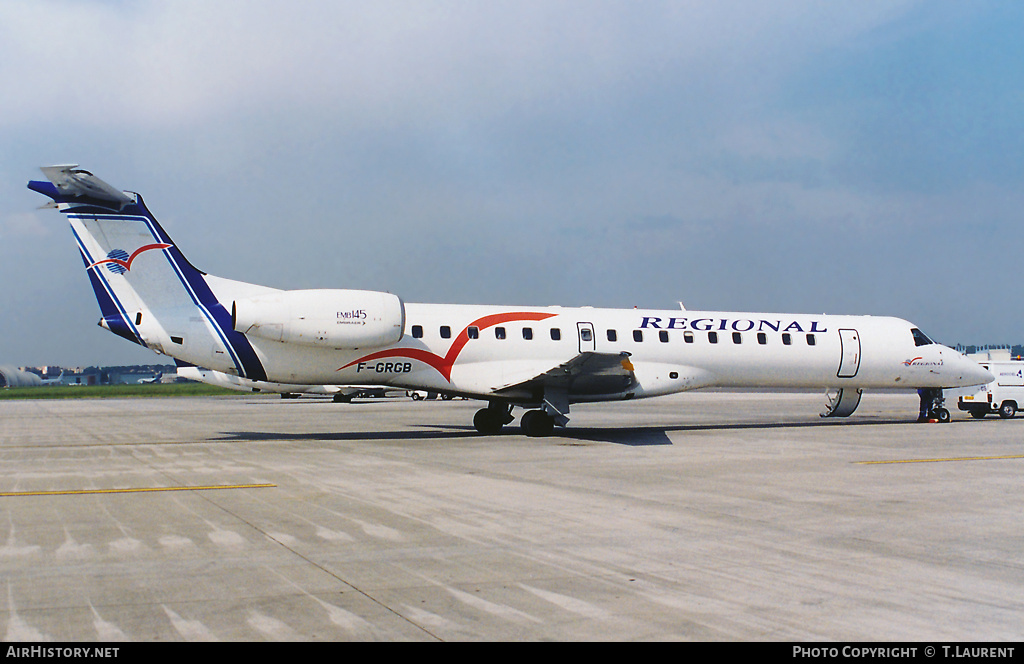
[(118, 261), (919, 362)]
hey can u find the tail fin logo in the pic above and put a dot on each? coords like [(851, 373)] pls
[(118, 261)]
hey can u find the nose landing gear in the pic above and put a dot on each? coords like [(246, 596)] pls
[(932, 405)]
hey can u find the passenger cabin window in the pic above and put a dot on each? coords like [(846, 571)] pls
[(920, 339), (556, 334), (810, 339), (688, 337), (638, 336), (737, 338), (762, 338), (786, 339), (663, 336), (527, 333), (417, 331), (446, 332), (613, 335), (473, 332), (586, 335), (499, 333), (713, 337)]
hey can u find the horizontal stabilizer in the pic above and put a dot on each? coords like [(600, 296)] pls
[(73, 182)]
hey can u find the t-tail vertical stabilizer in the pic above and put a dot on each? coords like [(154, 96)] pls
[(147, 291)]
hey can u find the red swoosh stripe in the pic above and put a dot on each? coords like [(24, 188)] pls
[(443, 365), (127, 265)]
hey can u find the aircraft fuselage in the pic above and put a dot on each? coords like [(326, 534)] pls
[(476, 351)]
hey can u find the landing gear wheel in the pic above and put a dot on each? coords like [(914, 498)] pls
[(537, 423), (488, 421), (1007, 410), (979, 414), (940, 414)]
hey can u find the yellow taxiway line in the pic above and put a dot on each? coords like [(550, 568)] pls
[(81, 492), (970, 458)]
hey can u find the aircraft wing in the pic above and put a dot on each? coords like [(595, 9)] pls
[(589, 373)]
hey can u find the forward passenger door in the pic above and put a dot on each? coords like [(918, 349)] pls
[(849, 365)]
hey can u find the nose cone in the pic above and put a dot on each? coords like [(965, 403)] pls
[(970, 372)]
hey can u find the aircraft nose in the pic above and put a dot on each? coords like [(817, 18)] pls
[(973, 373)]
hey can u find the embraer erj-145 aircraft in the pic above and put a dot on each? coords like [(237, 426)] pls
[(539, 358)]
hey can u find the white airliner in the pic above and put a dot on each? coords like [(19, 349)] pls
[(149, 381), (542, 359)]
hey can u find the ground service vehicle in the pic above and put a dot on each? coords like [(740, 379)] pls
[(1004, 395)]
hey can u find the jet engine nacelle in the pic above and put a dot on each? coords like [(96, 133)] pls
[(326, 318)]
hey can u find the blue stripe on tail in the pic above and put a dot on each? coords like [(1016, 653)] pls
[(243, 354), (114, 314), (246, 360)]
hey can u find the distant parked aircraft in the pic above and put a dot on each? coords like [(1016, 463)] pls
[(340, 393)]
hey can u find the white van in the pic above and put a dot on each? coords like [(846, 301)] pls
[(1004, 395)]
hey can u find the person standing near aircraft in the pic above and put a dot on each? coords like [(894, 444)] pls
[(931, 405)]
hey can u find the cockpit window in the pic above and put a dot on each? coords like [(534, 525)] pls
[(920, 339)]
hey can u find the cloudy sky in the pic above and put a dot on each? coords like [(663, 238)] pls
[(861, 157)]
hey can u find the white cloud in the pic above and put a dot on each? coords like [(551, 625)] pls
[(173, 62)]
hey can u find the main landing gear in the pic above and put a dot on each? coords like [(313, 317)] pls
[(490, 420), (537, 423), (534, 423)]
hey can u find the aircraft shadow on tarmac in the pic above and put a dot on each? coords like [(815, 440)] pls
[(635, 436)]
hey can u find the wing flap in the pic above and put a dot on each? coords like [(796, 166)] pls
[(589, 373)]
